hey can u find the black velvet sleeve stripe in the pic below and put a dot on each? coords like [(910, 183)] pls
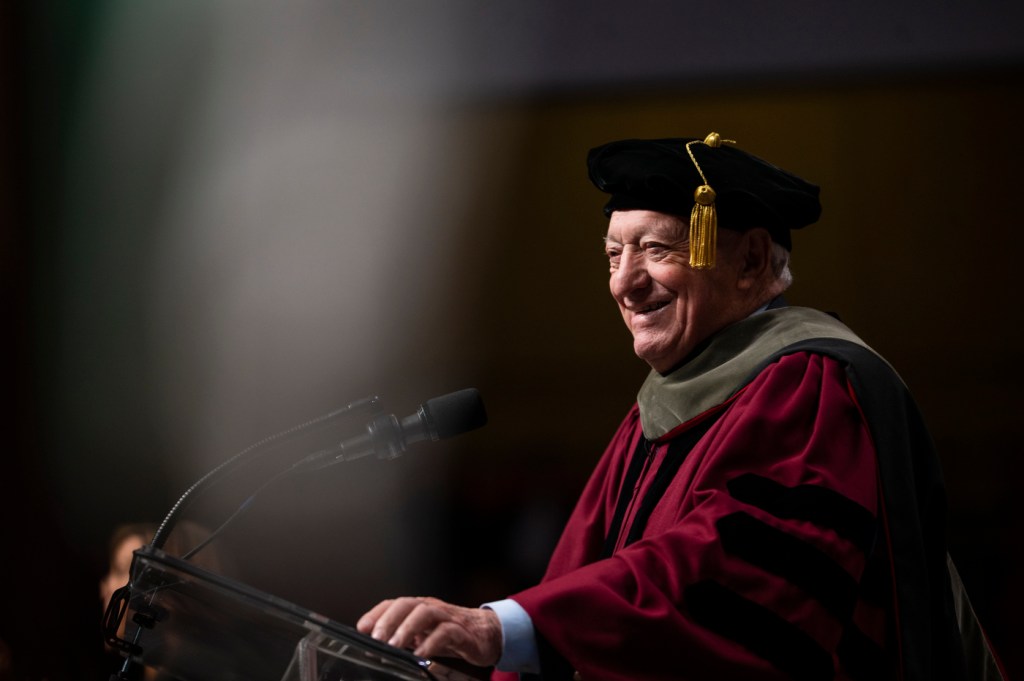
[(929, 638), (816, 504), (792, 559), (759, 630)]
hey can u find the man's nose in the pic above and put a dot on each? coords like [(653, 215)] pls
[(632, 275)]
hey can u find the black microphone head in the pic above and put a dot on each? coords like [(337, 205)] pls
[(455, 413)]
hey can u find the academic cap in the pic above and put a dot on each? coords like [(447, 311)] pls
[(709, 180)]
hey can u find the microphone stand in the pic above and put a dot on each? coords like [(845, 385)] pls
[(119, 601), (386, 436)]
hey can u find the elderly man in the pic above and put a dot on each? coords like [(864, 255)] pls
[(770, 508)]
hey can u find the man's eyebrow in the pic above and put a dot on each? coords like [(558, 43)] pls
[(660, 232)]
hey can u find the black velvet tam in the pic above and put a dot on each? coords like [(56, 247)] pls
[(658, 175)]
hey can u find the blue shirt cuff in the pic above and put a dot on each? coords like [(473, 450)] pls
[(518, 644)]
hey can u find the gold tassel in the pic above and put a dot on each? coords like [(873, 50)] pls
[(703, 217), (703, 228)]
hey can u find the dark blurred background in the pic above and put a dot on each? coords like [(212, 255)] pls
[(220, 219)]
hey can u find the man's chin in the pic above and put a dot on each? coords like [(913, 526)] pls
[(656, 358)]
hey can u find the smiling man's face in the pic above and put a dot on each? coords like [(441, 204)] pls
[(668, 306)]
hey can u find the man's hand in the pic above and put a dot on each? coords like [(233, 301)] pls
[(433, 628)]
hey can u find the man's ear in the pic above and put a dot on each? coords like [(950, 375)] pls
[(755, 257)]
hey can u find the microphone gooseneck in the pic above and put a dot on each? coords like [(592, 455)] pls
[(386, 436), (162, 532), (438, 418)]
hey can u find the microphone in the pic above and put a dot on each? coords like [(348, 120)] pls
[(438, 418), (386, 436)]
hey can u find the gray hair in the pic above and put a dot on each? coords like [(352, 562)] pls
[(780, 266)]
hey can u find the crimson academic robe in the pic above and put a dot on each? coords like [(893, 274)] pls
[(771, 510)]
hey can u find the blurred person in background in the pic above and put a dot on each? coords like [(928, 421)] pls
[(124, 541)]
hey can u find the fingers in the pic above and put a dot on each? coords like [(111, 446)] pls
[(431, 628), (383, 620), (367, 622), (401, 622)]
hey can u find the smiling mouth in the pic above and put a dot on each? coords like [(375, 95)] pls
[(653, 307)]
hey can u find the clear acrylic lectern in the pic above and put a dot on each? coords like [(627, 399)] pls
[(193, 625)]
